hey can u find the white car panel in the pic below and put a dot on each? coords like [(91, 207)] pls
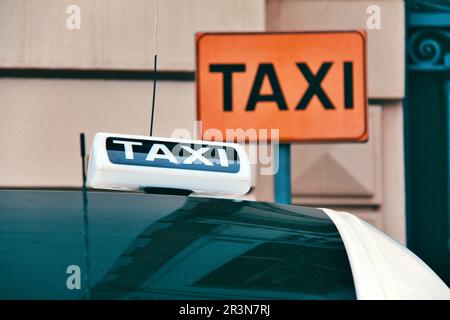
[(382, 268)]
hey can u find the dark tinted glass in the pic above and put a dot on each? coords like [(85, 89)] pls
[(167, 247)]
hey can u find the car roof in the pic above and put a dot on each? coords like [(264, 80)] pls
[(165, 246)]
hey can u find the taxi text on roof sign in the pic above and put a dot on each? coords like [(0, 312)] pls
[(311, 86), (131, 162)]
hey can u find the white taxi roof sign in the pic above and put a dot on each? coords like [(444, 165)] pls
[(130, 162)]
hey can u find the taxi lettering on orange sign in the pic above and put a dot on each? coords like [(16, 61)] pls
[(310, 86)]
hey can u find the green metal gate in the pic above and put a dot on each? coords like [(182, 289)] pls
[(427, 132)]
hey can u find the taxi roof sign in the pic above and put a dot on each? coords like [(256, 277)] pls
[(129, 162), (309, 85)]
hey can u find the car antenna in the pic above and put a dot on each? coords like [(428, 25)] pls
[(155, 60), (85, 214), (155, 70)]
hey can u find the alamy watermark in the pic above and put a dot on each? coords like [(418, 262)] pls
[(73, 21), (261, 144), (74, 279), (373, 21)]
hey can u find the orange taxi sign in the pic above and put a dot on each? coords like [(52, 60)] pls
[(310, 85)]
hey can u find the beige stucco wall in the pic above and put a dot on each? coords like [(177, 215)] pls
[(41, 118), (117, 34), (47, 115)]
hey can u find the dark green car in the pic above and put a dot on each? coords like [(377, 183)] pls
[(152, 246)]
